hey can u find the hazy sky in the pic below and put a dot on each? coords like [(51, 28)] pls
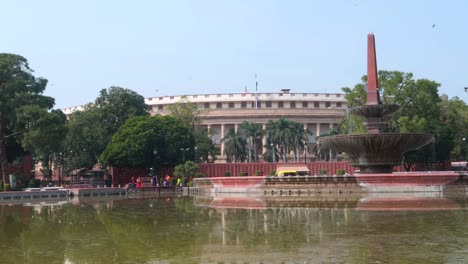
[(177, 47)]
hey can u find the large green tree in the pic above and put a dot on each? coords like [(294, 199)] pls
[(133, 144), (190, 114), (91, 130), (21, 96), (46, 138)]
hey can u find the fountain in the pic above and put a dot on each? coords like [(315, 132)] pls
[(376, 153)]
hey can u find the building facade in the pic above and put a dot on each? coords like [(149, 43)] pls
[(318, 112)]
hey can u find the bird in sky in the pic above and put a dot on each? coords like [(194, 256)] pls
[(433, 25)]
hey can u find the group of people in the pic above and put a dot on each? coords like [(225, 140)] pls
[(154, 181)]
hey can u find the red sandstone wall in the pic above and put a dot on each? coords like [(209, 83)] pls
[(217, 170)]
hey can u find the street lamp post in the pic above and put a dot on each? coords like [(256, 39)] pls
[(196, 154), (274, 154), (305, 153), (155, 153), (183, 153)]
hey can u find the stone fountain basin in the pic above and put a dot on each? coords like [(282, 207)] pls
[(375, 111), (375, 149)]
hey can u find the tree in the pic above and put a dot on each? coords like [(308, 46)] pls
[(186, 171), (20, 92), (206, 150), (253, 133), (133, 144), (190, 115), (45, 139), (234, 146), (91, 130), (455, 119), (288, 135)]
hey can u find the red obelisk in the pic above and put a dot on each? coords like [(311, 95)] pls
[(372, 79)]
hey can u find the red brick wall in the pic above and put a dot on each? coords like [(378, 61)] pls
[(24, 168)]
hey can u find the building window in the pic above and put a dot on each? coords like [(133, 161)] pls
[(219, 105), (172, 97), (316, 104), (259, 104), (305, 104), (280, 104), (338, 104), (293, 105), (268, 104), (231, 105), (243, 105), (207, 105), (160, 107), (327, 104), (195, 96), (231, 95)]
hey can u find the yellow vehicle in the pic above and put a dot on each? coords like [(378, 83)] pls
[(299, 170)]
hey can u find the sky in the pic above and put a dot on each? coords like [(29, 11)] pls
[(176, 47)]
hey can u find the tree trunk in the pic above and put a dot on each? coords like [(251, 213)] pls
[(3, 157)]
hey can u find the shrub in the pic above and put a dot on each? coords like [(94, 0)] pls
[(322, 172), (257, 173), (227, 173), (6, 187), (199, 175), (190, 184), (272, 173), (242, 173), (34, 183), (340, 172), (1, 185)]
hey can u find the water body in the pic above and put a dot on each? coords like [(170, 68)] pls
[(236, 230)]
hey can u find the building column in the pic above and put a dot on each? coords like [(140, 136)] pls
[(264, 139), (236, 126), (221, 137), (317, 130), (209, 130)]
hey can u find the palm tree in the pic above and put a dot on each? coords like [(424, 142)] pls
[(323, 153), (254, 133), (289, 136), (234, 146)]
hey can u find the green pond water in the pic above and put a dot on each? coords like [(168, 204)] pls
[(235, 230)]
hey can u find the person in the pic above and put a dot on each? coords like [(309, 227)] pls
[(138, 182), (132, 182), (261, 173), (179, 182), (154, 181), (168, 179)]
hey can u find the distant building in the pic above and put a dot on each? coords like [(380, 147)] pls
[(318, 112)]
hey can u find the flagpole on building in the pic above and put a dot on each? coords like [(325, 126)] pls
[(256, 88)]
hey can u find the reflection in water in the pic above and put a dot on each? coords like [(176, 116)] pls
[(219, 229)]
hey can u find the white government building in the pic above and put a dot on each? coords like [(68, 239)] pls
[(318, 112)]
